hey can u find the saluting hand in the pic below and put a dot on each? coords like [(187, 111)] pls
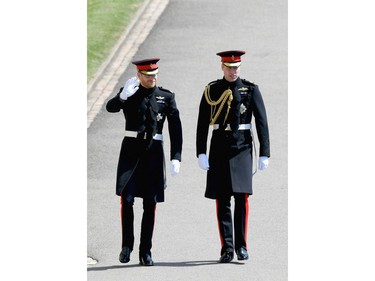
[(130, 87)]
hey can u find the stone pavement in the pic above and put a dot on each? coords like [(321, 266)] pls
[(186, 36)]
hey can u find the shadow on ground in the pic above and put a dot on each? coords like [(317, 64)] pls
[(166, 264)]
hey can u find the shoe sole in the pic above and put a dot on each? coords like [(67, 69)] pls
[(141, 262), (145, 264), (225, 261), (124, 261)]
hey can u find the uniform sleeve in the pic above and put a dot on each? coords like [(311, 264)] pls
[(175, 129), (261, 123), (115, 104), (202, 127)]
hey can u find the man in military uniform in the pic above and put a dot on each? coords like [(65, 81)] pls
[(228, 105), (140, 170)]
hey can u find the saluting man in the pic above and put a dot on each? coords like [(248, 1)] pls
[(229, 105), (140, 170)]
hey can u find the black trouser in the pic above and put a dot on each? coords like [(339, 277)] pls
[(224, 218), (147, 226)]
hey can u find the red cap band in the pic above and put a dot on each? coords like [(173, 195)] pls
[(147, 67), (231, 59)]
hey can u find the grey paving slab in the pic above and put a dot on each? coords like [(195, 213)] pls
[(186, 242)]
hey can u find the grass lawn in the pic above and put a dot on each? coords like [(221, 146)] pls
[(106, 20)]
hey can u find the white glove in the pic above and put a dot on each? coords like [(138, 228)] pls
[(203, 162), (263, 162), (175, 167), (130, 87)]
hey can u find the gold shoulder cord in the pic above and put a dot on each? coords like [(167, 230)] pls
[(223, 98)]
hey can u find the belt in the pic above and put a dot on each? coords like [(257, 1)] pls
[(134, 134), (240, 127), (243, 127)]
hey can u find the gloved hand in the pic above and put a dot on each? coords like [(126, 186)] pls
[(263, 162), (175, 167), (130, 87), (203, 162)]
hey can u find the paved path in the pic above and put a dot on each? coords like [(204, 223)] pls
[(186, 243)]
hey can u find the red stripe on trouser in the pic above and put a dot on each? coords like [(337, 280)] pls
[(218, 223), (247, 211)]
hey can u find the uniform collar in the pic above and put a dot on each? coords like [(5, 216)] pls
[(146, 91), (233, 84)]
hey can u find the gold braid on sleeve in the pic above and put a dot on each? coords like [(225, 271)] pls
[(226, 96)]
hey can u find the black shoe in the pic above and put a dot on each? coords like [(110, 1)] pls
[(226, 257), (125, 255), (242, 254), (146, 259)]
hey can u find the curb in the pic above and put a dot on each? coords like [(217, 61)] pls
[(106, 78)]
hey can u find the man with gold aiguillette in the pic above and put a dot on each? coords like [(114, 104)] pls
[(229, 105)]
